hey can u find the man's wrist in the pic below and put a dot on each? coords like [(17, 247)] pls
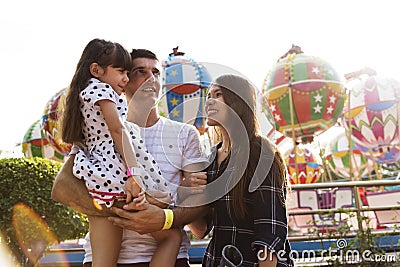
[(169, 219)]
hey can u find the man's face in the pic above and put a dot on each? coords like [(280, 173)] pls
[(144, 80)]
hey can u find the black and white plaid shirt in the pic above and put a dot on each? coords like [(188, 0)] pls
[(265, 227)]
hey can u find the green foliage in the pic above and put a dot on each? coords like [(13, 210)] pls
[(29, 181)]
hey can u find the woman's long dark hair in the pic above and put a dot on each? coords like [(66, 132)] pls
[(239, 95), (104, 53)]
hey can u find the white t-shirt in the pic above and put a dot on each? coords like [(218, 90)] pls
[(173, 145)]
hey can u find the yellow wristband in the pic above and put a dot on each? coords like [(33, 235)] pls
[(169, 218)]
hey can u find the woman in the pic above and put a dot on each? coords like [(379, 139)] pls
[(251, 213)]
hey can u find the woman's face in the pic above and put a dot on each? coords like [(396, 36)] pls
[(216, 109)]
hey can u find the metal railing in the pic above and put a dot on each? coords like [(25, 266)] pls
[(358, 209)]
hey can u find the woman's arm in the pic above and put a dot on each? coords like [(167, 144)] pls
[(193, 184), (199, 227), (267, 259)]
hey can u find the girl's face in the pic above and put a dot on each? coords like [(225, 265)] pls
[(116, 77), (216, 109)]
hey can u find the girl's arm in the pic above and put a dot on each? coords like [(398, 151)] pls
[(124, 145)]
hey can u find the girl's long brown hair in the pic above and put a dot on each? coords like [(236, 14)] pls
[(239, 95), (104, 53)]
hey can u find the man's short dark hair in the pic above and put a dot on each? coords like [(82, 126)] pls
[(138, 53)]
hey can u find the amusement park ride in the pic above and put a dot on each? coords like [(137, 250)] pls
[(303, 98)]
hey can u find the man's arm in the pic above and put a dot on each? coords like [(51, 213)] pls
[(151, 218), (72, 192)]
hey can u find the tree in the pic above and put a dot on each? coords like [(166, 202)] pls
[(29, 218)]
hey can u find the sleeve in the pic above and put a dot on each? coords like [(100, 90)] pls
[(192, 151), (270, 221), (99, 91)]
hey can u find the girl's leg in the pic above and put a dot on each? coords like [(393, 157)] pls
[(167, 250), (105, 239)]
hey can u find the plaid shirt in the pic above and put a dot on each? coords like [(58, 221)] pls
[(265, 227)]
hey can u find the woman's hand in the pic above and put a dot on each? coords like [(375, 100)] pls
[(191, 188), (195, 179)]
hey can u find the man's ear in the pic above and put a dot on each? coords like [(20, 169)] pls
[(96, 70)]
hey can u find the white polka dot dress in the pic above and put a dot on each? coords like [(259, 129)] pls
[(100, 164)]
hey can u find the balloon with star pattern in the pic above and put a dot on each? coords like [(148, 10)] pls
[(184, 87), (305, 96)]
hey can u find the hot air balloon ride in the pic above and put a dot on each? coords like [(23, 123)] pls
[(264, 117), (285, 144), (185, 83), (390, 155), (35, 144), (50, 123), (345, 161), (302, 165), (372, 116), (305, 95)]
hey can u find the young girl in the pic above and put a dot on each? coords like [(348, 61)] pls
[(109, 148)]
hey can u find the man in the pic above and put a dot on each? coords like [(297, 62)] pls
[(174, 146)]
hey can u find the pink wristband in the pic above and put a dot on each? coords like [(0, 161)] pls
[(133, 171)]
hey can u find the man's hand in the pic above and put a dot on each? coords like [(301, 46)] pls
[(148, 220), (152, 218)]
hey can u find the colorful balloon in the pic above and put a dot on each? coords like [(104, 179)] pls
[(383, 155), (339, 157), (372, 115), (185, 83), (35, 144), (50, 123), (305, 164), (305, 96), (285, 144), (264, 116)]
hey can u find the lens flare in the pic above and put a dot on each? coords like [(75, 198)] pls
[(6, 258), (32, 232)]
